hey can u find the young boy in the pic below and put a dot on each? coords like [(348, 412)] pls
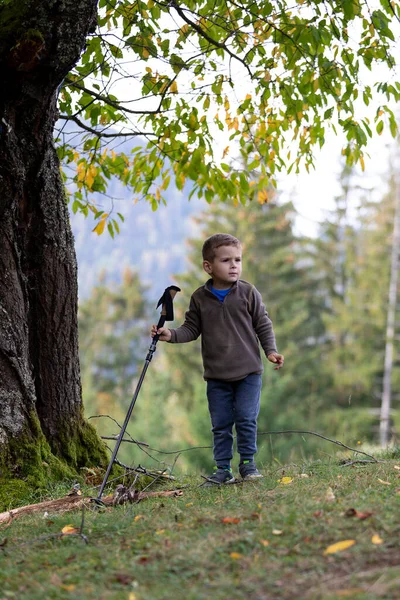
[(230, 316)]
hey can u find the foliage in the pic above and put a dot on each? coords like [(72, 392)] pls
[(179, 75), (201, 543)]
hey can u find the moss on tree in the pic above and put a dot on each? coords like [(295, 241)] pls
[(29, 467)]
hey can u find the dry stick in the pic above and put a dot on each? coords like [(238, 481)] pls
[(259, 433), (323, 437), (73, 502)]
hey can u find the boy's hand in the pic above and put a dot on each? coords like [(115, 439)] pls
[(164, 332), (276, 358)]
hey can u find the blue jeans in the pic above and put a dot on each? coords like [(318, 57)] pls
[(234, 403)]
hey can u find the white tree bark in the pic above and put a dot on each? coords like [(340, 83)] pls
[(384, 427)]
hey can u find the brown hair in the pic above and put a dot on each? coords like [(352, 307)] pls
[(215, 241)]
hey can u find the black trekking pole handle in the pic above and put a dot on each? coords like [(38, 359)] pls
[(167, 314), (160, 324)]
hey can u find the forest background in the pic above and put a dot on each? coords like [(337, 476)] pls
[(327, 294)]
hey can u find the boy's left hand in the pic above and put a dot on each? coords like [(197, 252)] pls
[(276, 358)]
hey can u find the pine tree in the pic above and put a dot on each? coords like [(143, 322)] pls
[(113, 332)]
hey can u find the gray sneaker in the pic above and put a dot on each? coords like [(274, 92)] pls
[(248, 470), (219, 477)]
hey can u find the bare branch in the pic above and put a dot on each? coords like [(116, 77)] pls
[(101, 134)]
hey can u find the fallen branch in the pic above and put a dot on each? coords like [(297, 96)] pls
[(73, 502)]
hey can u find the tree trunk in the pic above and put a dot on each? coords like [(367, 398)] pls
[(40, 393)]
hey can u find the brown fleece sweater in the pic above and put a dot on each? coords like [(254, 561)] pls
[(230, 331)]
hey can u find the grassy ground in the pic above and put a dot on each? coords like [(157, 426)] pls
[(262, 541)]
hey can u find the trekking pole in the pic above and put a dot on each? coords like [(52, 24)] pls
[(167, 314)]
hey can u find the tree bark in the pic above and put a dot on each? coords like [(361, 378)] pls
[(40, 392)]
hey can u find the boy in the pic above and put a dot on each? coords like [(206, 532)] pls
[(231, 318)]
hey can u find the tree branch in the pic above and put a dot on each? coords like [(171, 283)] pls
[(114, 104), (101, 134), (205, 35)]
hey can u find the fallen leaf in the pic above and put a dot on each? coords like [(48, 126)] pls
[(285, 480), (230, 520), (384, 482), (304, 475), (318, 513), (189, 504), (277, 532), (143, 559), (132, 596), (376, 539), (235, 555), (69, 530), (138, 517), (68, 587), (55, 579), (396, 467), (349, 593), (352, 512), (330, 496), (160, 531), (339, 547), (123, 578), (264, 542)]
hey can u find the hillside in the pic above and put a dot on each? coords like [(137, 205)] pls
[(152, 242)]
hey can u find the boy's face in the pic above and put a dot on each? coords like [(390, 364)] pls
[(226, 267)]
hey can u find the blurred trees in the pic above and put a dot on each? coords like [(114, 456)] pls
[(327, 298)]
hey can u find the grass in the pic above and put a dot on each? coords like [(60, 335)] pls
[(270, 546)]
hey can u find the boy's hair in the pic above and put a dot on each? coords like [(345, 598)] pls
[(217, 240)]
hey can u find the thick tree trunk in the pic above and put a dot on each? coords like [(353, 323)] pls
[(40, 393)]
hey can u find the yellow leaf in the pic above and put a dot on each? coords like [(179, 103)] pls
[(285, 480), (262, 198), (90, 176), (174, 87), (184, 29), (101, 224), (69, 529), (160, 531), (145, 53), (362, 163), (138, 517), (225, 152), (248, 97), (339, 547), (235, 555), (330, 496), (68, 588), (376, 539), (264, 542), (384, 482), (189, 504)]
